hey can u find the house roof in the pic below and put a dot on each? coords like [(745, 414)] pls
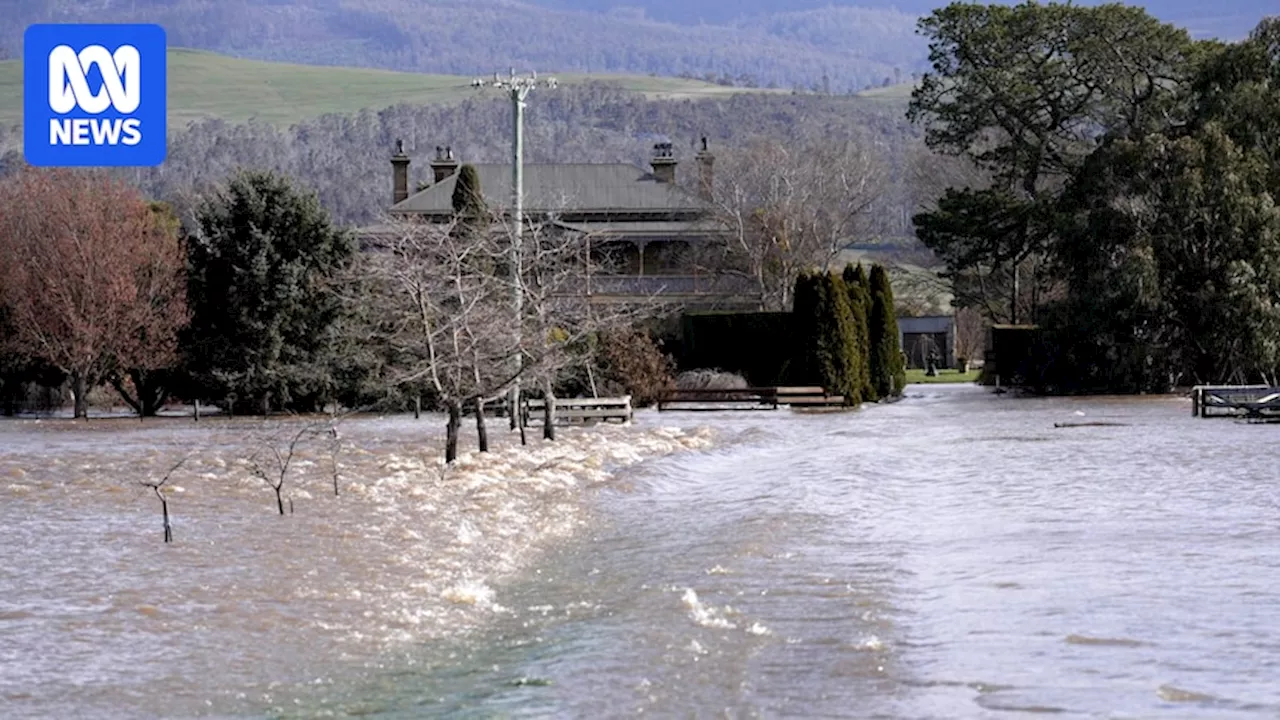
[(574, 187)]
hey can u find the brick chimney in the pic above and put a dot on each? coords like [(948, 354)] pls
[(664, 163), (399, 174), (444, 165), (706, 173)]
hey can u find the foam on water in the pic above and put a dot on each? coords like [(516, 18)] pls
[(411, 551)]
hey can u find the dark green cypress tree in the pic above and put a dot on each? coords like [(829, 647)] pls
[(843, 332), (855, 280), (887, 369), (827, 343), (468, 200)]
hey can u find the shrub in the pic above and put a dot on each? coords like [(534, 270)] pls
[(710, 380), (631, 361)]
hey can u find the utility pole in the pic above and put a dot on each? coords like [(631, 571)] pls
[(517, 88)]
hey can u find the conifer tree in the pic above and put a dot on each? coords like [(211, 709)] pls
[(468, 199), (261, 259), (856, 283), (887, 369), (827, 348), (842, 334)]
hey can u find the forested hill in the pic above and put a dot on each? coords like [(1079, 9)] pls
[(345, 158), (851, 48), (1228, 19)]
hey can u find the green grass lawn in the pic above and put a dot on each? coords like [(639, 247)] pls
[(944, 376), (209, 85)]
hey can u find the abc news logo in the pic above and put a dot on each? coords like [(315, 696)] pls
[(69, 89), (94, 95)]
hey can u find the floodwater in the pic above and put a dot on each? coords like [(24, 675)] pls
[(952, 555)]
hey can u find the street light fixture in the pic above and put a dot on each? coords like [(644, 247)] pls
[(518, 89)]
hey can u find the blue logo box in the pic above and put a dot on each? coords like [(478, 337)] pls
[(94, 95)]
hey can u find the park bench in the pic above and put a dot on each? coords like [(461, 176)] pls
[(808, 397), (719, 399), (1253, 402), (580, 411), (760, 398)]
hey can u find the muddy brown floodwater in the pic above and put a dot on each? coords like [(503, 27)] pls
[(955, 555), (247, 611)]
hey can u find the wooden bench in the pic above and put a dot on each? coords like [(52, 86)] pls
[(1254, 402), (808, 397), (707, 399), (580, 411)]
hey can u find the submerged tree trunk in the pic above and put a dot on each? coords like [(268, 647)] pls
[(482, 434), (80, 395), (1013, 305), (279, 497), (335, 448), (151, 388), (514, 411), (417, 406), (149, 391), (548, 413), (523, 423), (451, 431), (168, 529)]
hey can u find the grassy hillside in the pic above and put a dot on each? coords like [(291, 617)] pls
[(898, 94), (208, 85)]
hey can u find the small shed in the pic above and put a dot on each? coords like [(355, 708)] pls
[(921, 336)]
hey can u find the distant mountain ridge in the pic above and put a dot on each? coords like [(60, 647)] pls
[(832, 47)]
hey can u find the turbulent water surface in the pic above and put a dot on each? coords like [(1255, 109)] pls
[(952, 555)]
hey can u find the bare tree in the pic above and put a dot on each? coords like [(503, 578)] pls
[(274, 470), (157, 486), (971, 333), (445, 309), (789, 207), (443, 313)]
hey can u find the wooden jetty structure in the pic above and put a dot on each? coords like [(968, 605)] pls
[(1258, 403), (579, 411), (751, 398)]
